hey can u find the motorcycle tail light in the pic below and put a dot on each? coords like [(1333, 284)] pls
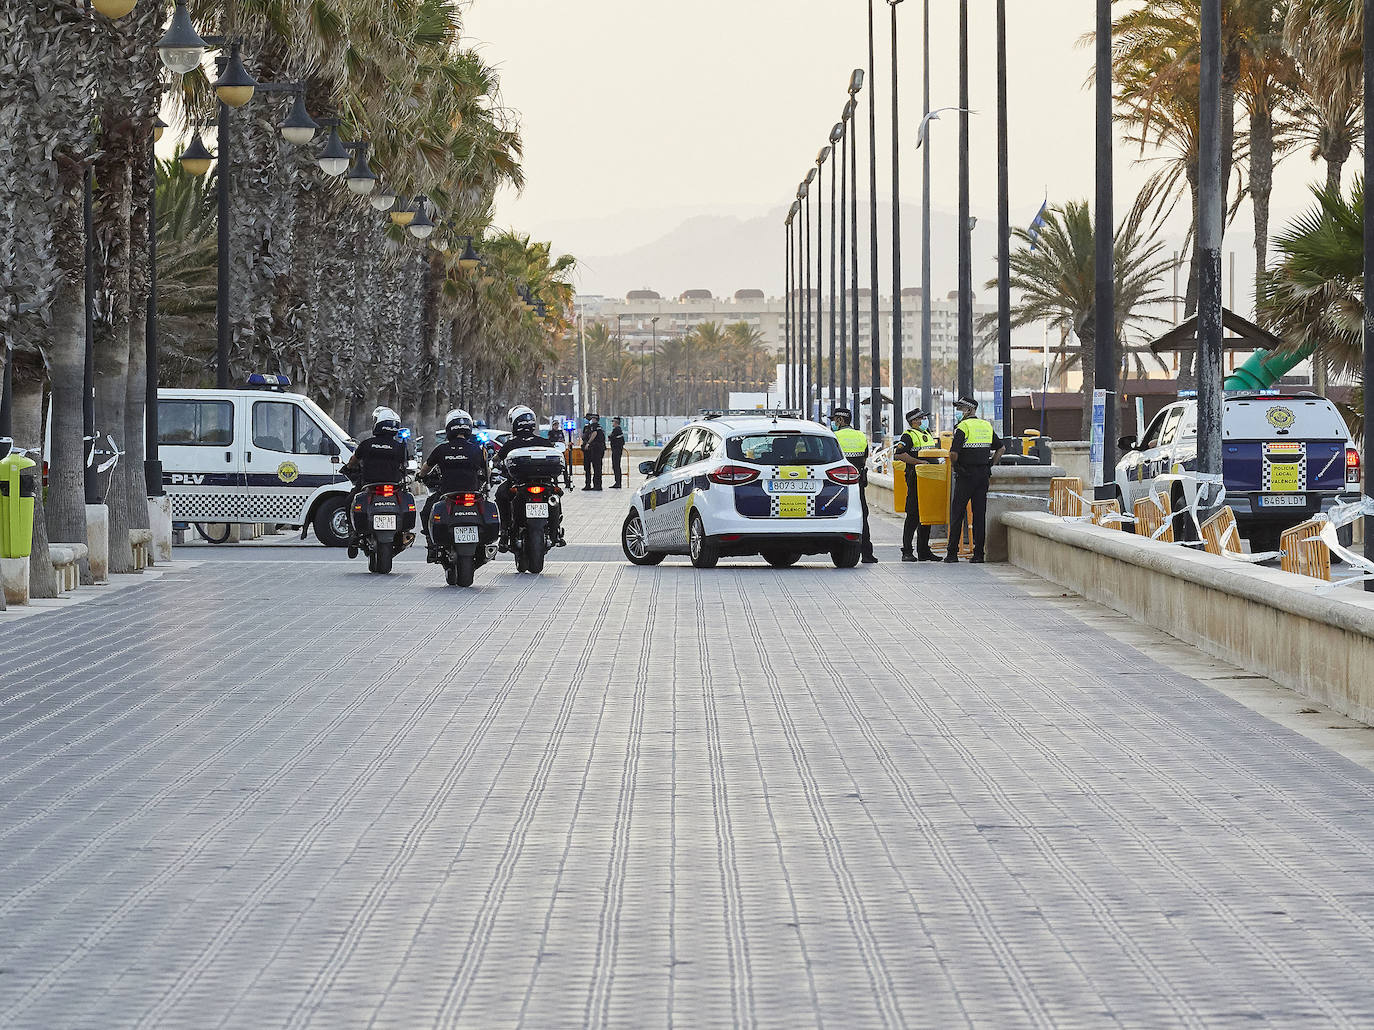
[(468, 500), (1352, 465), (385, 490), (846, 474), (733, 475), (536, 489)]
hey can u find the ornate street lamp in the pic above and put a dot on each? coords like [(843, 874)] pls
[(383, 199), (402, 214), (421, 226), (181, 48), (299, 128), (235, 86), (334, 159), (195, 159), (113, 9), (159, 127), (361, 179), (469, 258)]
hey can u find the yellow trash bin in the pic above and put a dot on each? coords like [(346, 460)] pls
[(934, 487), (18, 483)]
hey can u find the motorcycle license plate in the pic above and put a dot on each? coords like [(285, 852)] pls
[(536, 511), (1283, 500), (383, 521), (465, 535)]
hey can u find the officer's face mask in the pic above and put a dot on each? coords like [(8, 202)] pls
[(925, 423), (958, 417)]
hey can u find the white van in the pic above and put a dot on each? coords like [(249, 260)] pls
[(254, 455)]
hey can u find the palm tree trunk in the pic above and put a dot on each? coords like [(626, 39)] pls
[(66, 508), (135, 407), (1088, 363), (1261, 188), (28, 432)]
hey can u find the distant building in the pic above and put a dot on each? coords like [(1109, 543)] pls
[(691, 308)]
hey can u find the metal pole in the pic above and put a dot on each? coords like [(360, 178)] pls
[(152, 464), (813, 400), (805, 370), (1209, 234), (1003, 222), (875, 411), (925, 219), (854, 260), (787, 309), (897, 404), (834, 174), (965, 384), (653, 322), (7, 392), (88, 378), (1368, 380), (222, 187), (1104, 377), (844, 305)]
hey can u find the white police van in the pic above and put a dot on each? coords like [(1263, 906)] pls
[(1285, 457), (742, 483), (254, 455)]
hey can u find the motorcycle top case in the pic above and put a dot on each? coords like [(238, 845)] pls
[(448, 513), (535, 463), (404, 506)]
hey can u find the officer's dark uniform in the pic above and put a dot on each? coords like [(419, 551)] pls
[(462, 468), (556, 437), (854, 444), (911, 443), (617, 451), (593, 454), (378, 459), (972, 453)]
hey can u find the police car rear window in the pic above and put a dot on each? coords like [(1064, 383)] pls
[(784, 449), (1296, 418)]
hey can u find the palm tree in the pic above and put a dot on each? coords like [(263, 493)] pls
[(1054, 274), (1325, 39), (1313, 297)]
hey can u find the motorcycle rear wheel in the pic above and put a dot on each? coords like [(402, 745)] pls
[(534, 551), (461, 572), (383, 559)]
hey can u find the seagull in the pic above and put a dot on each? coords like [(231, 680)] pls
[(935, 116)]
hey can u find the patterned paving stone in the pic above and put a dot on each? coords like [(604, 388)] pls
[(274, 791)]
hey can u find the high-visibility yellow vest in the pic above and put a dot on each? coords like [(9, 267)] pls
[(977, 432), (919, 439), (852, 442)]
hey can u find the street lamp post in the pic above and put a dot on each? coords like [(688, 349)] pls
[(836, 134), (856, 82), (787, 305), (1209, 232), (821, 157), (1003, 223), (1368, 291), (875, 411), (897, 405), (805, 370), (925, 216), (798, 273), (844, 246), (653, 323), (152, 464), (965, 225)]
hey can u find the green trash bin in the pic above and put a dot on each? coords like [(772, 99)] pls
[(18, 482)]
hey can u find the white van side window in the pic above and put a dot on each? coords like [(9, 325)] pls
[(283, 426), (195, 423)]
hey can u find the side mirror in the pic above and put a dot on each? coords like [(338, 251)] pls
[(1127, 443), (646, 468)]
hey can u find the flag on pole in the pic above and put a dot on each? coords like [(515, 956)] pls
[(1038, 222)]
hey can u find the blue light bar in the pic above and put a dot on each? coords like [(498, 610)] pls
[(271, 382)]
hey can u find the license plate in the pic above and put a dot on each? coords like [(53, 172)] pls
[(792, 506), (536, 511), (793, 486), (1283, 500), (465, 535), (1285, 476), (383, 521)]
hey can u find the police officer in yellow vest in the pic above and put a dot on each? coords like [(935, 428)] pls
[(855, 447), (973, 452), (909, 445)]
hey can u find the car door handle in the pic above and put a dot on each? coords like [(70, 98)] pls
[(228, 455), (248, 455)]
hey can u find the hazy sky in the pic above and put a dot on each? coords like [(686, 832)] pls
[(665, 109)]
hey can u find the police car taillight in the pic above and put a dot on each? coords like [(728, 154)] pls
[(1352, 465), (733, 475), (846, 474)]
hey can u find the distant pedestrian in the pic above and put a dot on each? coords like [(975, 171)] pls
[(975, 449), (617, 450), (855, 447), (593, 451), (907, 450), (559, 439)]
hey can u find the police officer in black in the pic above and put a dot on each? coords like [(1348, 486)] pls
[(381, 458), (593, 451), (975, 449), (617, 450), (559, 439), (907, 450), (459, 465), (854, 446)]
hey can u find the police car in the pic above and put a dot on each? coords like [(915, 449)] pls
[(258, 454), (1284, 458), (743, 484)]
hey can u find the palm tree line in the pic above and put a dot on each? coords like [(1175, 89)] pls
[(324, 288)]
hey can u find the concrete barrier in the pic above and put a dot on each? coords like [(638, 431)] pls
[(14, 580), (66, 564), (141, 543), (1266, 621), (98, 541), (160, 520)]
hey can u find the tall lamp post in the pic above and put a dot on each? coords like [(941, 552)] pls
[(1209, 232), (925, 215), (808, 328), (965, 225), (822, 156), (1368, 291), (897, 404), (856, 83), (836, 134), (653, 323), (1003, 224), (846, 258), (803, 316), (787, 306), (875, 410)]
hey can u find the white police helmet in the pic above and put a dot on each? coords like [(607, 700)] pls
[(522, 417), (458, 422), (386, 421)]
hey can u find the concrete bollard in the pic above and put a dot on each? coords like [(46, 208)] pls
[(14, 579), (98, 541), (160, 522)]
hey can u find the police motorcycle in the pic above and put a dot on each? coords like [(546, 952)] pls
[(531, 476), (463, 524), (382, 514)]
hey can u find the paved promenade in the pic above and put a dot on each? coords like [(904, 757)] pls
[(270, 790)]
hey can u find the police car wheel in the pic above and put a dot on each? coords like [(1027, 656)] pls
[(782, 559), (331, 522), (846, 556), (634, 541), (704, 553)]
